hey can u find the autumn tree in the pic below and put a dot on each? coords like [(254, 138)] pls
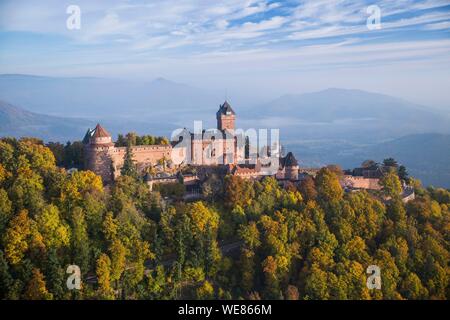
[(16, 237), (391, 185), (36, 289), (103, 271), (328, 186)]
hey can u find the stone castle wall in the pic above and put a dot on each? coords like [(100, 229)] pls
[(108, 161), (361, 183)]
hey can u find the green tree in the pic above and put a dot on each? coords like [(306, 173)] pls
[(129, 166), (55, 232), (80, 240), (103, 272), (390, 162), (391, 185), (118, 259)]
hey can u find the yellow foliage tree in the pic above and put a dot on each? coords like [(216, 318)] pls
[(103, 272), (16, 238), (56, 234)]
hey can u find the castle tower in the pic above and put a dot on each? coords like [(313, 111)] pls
[(225, 117), (98, 147), (290, 167)]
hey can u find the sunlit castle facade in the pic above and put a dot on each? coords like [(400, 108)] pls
[(207, 147)]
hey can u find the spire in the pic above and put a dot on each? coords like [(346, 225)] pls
[(226, 109), (87, 136), (290, 161)]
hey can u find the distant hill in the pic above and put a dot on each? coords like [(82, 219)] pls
[(427, 156), (349, 114), (89, 97), (17, 122)]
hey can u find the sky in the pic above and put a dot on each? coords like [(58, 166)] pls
[(244, 47)]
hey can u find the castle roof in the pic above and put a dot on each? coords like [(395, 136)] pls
[(100, 132), (225, 109), (87, 136), (289, 160)]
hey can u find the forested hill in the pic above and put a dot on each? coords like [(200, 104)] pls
[(17, 122), (308, 242)]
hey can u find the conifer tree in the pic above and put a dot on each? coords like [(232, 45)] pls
[(129, 166)]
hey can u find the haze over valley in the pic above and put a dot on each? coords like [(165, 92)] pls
[(330, 126)]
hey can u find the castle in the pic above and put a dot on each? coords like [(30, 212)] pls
[(222, 147)]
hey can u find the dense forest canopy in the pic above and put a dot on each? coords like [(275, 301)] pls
[(312, 241)]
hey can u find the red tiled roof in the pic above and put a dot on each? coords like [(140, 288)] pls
[(100, 132)]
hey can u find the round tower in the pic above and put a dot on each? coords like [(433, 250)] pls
[(290, 167), (98, 152)]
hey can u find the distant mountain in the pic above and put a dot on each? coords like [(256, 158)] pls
[(427, 156), (348, 114), (17, 122), (105, 98)]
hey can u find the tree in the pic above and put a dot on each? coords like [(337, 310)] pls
[(103, 272), (328, 186), (5, 210), (403, 174), (205, 291), (292, 293), (412, 288), (250, 234), (391, 185), (121, 141), (36, 289), (55, 232), (308, 189), (118, 259), (368, 164), (16, 237), (110, 227), (6, 280), (78, 187), (213, 254), (80, 240), (55, 275), (390, 162), (131, 139), (316, 284), (27, 188), (272, 289), (237, 191), (129, 166), (202, 219), (212, 187)]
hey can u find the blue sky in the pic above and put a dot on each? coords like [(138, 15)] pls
[(253, 47)]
